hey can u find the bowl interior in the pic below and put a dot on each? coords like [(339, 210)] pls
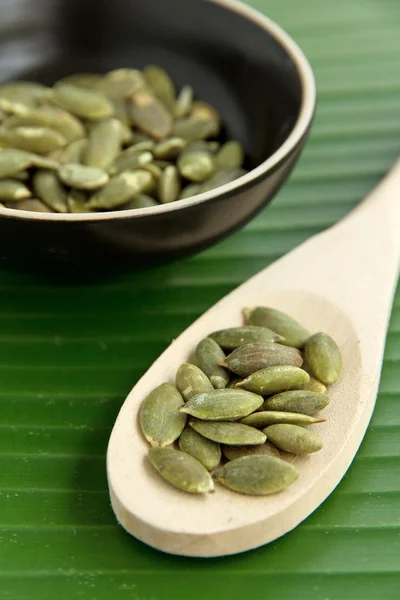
[(231, 62)]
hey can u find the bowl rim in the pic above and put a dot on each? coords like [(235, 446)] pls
[(301, 126)]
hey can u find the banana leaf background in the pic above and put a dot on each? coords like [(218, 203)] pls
[(69, 355)]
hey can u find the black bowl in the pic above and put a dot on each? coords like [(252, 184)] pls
[(235, 58)]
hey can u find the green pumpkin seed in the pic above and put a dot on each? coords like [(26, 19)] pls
[(126, 162), (234, 337), (293, 438), (162, 85), (24, 92), (50, 190), (323, 357), (31, 204), (208, 355), (271, 417), (204, 111), (190, 381), (84, 80), (73, 153), (104, 144), (196, 166), (249, 358), (274, 379), (150, 115), (235, 434), (138, 147), (183, 102), (162, 164), (222, 405), (221, 178), (192, 128), (121, 111), (82, 102), (121, 83), (190, 190), (160, 421), (181, 470), (169, 148), (141, 201), (126, 133), (299, 401), (82, 177), (257, 475), (40, 140), (231, 155), (12, 162), (54, 118), (21, 175), (153, 169), (77, 201), (313, 385), (234, 452), (10, 189), (207, 452), (169, 185), (120, 189), (294, 333)]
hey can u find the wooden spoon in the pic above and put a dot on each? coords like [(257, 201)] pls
[(341, 281)]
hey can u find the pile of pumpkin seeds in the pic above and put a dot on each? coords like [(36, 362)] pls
[(122, 140), (242, 411)]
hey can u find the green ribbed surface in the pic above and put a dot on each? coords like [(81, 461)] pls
[(69, 355)]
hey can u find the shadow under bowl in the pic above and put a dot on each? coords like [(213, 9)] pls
[(235, 58)]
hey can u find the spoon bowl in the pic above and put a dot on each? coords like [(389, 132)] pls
[(341, 282)]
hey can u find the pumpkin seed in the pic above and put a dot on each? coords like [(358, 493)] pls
[(222, 405), (294, 333), (10, 189), (196, 166), (190, 190), (231, 155), (299, 401), (208, 355), (169, 185), (207, 452), (162, 85), (121, 111), (13, 162), (274, 379), (138, 147), (141, 201), (82, 177), (204, 111), (77, 201), (50, 190), (31, 204), (82, 102), (190, 381), (54, 118), (234, 337), (153, 169), (313, 385), (234, 452), (104, 144), (192, 128), (235, 434), (150, 115), (181, 470), (271, 417), (160, 421), (84, 80), (324, 358), (128, 162), (73, 153), (24, 92), (183, 102), (169, 148), (293, 438), (249, 358), (257, 475), (120, 189), (40, 140), (121, 83), (221, 178)]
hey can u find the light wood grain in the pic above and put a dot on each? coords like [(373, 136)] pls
[(341, 281)]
